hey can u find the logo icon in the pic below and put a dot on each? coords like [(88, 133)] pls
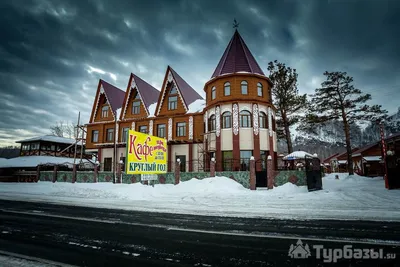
[(299, 251)]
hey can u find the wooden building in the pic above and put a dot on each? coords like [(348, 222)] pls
[(49, 145), (234, 122), (367, 160)]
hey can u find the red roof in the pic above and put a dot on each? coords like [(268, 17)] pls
[(237, 58), (115, 96), (189, 95), (330, 157), (148, 93), (364, 148)]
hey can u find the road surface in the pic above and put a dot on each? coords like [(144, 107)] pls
[(82, 236)]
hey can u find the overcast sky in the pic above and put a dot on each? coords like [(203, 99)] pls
[(52, 53)]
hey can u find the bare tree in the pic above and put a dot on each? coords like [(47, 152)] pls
[(63, 129)]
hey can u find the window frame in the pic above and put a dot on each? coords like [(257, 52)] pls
[(212, 123), (108, 132), (97, 135), (179, 126), (263, 120), (124, 135), (104, 111), (224, 119), (143, 127), (134, 107), (164, 127), (213, 93), (227, 86), (170, 106), (244, 85), (260, 89), (248, 119)]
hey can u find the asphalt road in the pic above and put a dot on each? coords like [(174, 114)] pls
[(102, 237)]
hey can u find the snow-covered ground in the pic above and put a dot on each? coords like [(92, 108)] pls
[(349, 198), (9, 261)]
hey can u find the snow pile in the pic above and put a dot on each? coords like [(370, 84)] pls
[(297, 155), (349, 197), (50, 138), (152, 109), (197, 106)]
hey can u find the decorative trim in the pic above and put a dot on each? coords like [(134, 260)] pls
[(170, 78), (191, 128), (217, 121), (133, 125), (226, 109), (262, 109), (235, 115), (116, 132), (255, 119), (169, 129), (244, 107), (151, 127), (205, 121), (269, 121), (210, 113)]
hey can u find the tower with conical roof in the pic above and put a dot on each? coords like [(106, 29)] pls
[(239, 115)]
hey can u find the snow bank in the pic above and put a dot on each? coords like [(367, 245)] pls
[(349, 197), (33, 161)]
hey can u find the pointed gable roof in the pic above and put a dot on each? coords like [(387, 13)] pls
[(187, 94), (114, 96), (148, 94), (237, 58)]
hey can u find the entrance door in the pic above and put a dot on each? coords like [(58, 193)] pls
[(393, 170), (261, 173), (183, 162)]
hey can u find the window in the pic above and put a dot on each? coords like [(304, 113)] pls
[(226, 120), (104, 112), (25, 147), (172, 102), (124, 134), (213, 93), (34, 146), (243, 86), (143, 128), (227, 89), (173, 91), (95, 136), (110, 134), (161, 130), (245, 156), (136, 107), (259, 89), (211, 123), (181, 129), (227, 158), (263, 120), (245, 119)]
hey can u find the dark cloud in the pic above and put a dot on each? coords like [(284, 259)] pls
[(53, 52)]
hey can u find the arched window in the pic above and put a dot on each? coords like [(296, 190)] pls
[(213, 93), (226, 120), (243, 86), (227, 89), (245, 119), (263, 120), (104, 112), (259, 89), (211, 123)]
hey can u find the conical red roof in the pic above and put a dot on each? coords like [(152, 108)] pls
[(237, 58)]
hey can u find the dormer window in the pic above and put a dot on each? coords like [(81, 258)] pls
[(136, 107), (243, 86), (104, 112), (172, 102)]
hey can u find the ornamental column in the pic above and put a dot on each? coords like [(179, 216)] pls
[(218, 151), (256, 137), (235, 137)]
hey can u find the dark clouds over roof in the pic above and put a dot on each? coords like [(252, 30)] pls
[(52, 53)]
